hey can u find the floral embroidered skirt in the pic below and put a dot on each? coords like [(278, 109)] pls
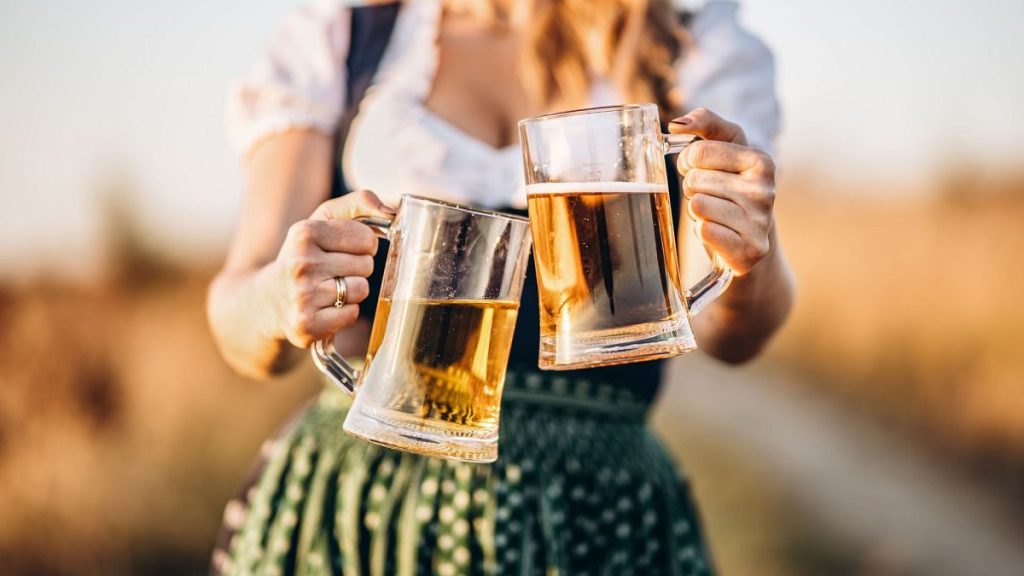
[(580, 487)]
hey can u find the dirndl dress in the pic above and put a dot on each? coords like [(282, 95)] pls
[(581, 486)]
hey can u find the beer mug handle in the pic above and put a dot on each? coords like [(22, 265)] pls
[(714, 284), (334, 365)]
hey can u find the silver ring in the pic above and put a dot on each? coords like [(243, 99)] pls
[(340, 291)]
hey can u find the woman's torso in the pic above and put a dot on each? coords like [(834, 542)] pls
[(580, 485)]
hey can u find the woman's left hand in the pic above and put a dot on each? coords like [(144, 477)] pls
[(730, 187)]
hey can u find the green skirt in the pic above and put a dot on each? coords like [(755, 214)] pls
[(580, 487)]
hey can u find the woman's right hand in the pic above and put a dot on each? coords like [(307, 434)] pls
[(329, 244)]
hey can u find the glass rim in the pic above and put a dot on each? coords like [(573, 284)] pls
[(470, 209), (586, 111)]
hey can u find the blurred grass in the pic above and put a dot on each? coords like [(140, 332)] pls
[(909, 307), (122, 433), (752, 523)]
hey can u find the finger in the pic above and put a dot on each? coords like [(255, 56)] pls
[(725, 157), (722, 184), (357, 288), (342, 236), (345, 265), (326, 322), (729, 199), (353, 205), (334, 264), (725, 242), (740, 253), (708, 208), (709, 126)]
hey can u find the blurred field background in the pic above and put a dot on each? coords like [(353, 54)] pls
[(881, 433), (122, 433), (909, 309)]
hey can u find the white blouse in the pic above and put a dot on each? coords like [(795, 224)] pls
[(396, 145)]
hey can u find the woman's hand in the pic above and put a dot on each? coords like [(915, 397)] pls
[(275, 294), (731, 192), (730, 187), (329, 244)]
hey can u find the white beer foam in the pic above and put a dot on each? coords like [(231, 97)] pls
[(596, 188)]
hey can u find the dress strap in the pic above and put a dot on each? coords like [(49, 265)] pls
[(371, 31)]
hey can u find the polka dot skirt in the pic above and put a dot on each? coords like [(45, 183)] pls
[(580, 487)]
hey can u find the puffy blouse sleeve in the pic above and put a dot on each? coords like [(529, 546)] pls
[(299, 79), (732, 73)]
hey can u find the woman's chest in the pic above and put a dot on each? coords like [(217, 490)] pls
[(440, 117), (476, 86)]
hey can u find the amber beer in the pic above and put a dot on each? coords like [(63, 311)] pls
[(441, 360), (606, 265), (611, 291)]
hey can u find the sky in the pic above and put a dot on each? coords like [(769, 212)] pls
[(112, 91)]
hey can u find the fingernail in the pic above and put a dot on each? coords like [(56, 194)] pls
[(683, 121)]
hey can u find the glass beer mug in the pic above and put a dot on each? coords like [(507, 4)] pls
[(604, 247), (442, 332)]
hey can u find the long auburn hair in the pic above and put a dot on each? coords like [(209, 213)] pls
[(634, 44)]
